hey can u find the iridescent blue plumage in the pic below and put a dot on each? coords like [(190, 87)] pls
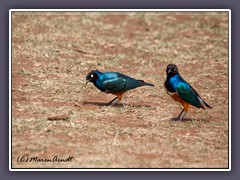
[(114, 82), (181, 91), (177, 84)]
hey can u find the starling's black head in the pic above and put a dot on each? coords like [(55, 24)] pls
[(92, 76), (171, 70)]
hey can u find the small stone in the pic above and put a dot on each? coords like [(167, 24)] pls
[(58, 117)]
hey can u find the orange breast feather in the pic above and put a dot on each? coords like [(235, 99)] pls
[(118, 94), (178, 99)]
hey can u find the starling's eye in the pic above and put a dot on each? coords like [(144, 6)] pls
[(92, 76)]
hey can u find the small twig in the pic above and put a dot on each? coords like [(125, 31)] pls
[(78, 50)]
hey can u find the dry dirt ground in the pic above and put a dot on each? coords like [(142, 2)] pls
[(54, 113)]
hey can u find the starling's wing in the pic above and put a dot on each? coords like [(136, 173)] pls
[(189, 95), (116, 84)]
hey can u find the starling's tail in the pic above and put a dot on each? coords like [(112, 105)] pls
[(143, 83), (203, 103), (206, 104)]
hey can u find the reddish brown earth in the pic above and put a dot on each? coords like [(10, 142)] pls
[(54, 113)]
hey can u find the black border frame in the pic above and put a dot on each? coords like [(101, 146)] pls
[(128, 169), (5, 5)]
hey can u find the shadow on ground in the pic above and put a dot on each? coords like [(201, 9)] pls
[(189, 120), (115, 105)]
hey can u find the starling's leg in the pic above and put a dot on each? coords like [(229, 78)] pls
[(181, 115), (119, 98), (110, 103), (114, 102)]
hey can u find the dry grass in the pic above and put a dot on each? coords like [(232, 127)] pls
[(52, 53)]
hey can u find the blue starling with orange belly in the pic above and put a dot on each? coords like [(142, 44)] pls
[(114, 83), (181, 91)]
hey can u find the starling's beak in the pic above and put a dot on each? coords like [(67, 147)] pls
[(87, 81)]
